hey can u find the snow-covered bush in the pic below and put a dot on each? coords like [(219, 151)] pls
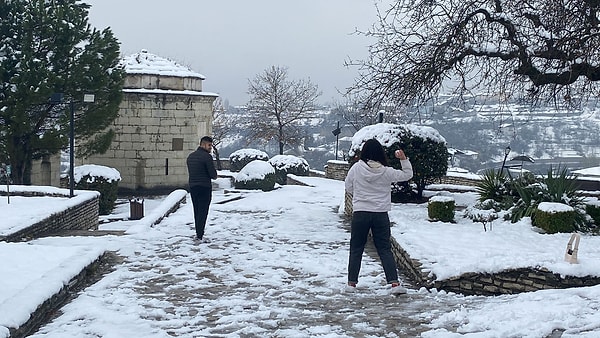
[(288, 164), (256, 175), (592, 208), (554, 217), (441, 208), (239, 158), (424, 146), (99, 178), (558, 186)]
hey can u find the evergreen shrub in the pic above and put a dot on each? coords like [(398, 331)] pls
[(555, 217), (105, 180), (288, 164), (441, 208), (256, 175), (240, 158), (593, 210), (423, 145)]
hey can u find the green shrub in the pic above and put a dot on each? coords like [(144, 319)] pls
[(105, 180), (557, 187), (256, 175), (240, 158), (593, 210), (288, 164), (424, 145), (441, 208), (492, 186), (555, 217)]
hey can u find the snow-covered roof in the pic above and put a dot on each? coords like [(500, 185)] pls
[(594, 172), (148, 63)]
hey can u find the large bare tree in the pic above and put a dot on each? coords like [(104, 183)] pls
[(278, 106), (526, 49)]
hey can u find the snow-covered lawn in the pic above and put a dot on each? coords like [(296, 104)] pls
[(274, 253)]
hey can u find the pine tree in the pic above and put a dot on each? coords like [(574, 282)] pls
[(47, 47)]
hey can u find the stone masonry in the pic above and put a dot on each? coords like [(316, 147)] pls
[(163, 114)]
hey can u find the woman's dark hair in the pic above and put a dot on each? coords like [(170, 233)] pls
[(373, 150)]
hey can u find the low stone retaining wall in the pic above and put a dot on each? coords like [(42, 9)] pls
[(43, 311), (504, 282), (80, 217), (337, 170)]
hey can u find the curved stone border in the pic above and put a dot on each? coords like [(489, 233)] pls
[(485, 284), (83, 216), (89, 275)]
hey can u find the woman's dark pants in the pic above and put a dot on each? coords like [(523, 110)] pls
[(379, 224)]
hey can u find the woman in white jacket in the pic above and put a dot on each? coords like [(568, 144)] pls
[(369, 182)]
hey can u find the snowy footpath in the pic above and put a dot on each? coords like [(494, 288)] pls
[(275, 267)]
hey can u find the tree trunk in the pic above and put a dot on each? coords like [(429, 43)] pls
[(217, 158), (19, 151)]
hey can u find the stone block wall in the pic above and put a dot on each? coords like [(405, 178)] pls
[(80, 217), (46, 171), (337, 170), (155, 81), (155, 132)]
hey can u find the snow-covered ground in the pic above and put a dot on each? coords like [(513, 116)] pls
[(276, 265)]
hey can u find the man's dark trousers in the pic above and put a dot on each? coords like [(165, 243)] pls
[(201, 197)]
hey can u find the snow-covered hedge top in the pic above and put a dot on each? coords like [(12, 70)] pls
[(388, 134), (93, 170), (553, 208), (147, 63), (255, 170), (287, 161), (251, 153), (592, 201), (441, 199)]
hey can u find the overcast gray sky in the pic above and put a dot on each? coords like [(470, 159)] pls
[(231, 41)]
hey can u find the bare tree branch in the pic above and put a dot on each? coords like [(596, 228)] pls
[(535, 49)]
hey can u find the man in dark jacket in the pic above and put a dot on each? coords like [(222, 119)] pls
[(201, 170)]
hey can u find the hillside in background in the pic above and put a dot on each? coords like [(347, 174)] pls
[(479, 128)]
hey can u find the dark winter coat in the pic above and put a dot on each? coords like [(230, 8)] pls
[(201, 168)]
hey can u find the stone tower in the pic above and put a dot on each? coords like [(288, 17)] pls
[(163, 115)]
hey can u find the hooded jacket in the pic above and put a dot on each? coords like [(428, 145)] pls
[(370, 184)]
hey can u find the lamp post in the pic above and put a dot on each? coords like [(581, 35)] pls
[(336, 132), (506, 152), (57, 98)]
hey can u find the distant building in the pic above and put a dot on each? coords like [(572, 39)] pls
[(163, 114)]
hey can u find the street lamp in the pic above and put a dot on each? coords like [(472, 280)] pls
[(336, 132), (57, 98), (506, 152)]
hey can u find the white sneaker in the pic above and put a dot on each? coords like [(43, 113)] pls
[(349, 288), (397, 289)]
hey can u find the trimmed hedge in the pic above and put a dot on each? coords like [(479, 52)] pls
[(102, 179), (108, 191), (554, 217), (256, 175), (240, 158), (441, 208), (288, 164)]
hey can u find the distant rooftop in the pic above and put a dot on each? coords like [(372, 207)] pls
[(147, 63)]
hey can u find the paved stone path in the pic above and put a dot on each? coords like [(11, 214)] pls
[(249, 283)]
